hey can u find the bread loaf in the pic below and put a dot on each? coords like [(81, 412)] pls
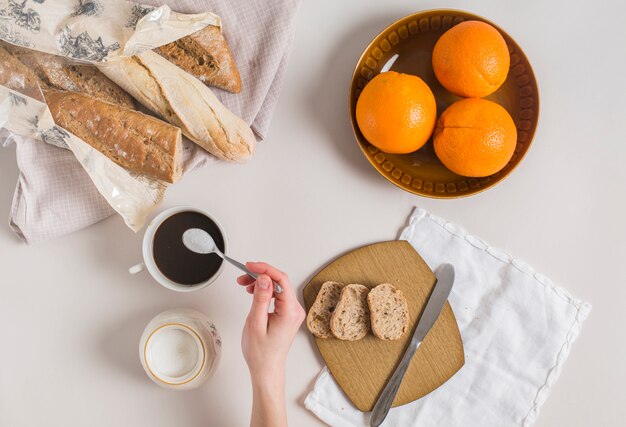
[(205, 54), (389, 312), (351, 318), (318, 318), (133, 140), (58, 73), (17, 76), (181, 99)]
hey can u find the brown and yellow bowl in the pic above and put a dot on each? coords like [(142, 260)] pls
[(412, 39)]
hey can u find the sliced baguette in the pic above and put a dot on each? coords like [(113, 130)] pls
[(133, 140), (389, 312), (318, 319), (351, 318), (205, 54)]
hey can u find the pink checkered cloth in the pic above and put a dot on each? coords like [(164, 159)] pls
[(54, 195)]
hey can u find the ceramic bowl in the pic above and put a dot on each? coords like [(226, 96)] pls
[(412, 39)]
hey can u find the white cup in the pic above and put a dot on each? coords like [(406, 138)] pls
[(180, 349), (148, 257)]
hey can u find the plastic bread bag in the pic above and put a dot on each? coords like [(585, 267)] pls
[(82, 33), (132, 196)]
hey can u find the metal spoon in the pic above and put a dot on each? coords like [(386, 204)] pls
[(201, 242)]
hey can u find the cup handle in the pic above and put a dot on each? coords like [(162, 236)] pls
[(137, 268)]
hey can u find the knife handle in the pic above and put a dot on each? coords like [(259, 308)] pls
[(383, 404)]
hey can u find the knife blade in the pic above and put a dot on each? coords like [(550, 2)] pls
[(436, 302)]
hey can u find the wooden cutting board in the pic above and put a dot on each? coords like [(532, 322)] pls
[(362, 368)]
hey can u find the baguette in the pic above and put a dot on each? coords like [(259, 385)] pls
[(205, 54), (351, 318), (56, 72), (389, 312), (133, 140), (17, 76), (182, 100), (318, 318)]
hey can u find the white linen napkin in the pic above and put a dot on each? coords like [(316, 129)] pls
[(517, 329)]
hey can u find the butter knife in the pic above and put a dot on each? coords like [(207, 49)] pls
[(438, 298)]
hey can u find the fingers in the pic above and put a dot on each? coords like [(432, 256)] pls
[(250, 289), (257, 318), (264, 268), (275, 274), (287, 309), (245, 280), (290, 313)]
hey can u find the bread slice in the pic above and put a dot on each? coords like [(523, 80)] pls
[(351, 319), (205, 54), (58, 73), (389, 312), (318, 319), (133, 140)]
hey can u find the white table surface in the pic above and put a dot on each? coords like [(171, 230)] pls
[(71, 316)]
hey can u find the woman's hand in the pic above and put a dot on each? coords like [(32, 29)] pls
[(266, 340)]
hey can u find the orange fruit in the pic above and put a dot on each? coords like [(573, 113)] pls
[(471, 59), (475, 137), (396, 112)]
